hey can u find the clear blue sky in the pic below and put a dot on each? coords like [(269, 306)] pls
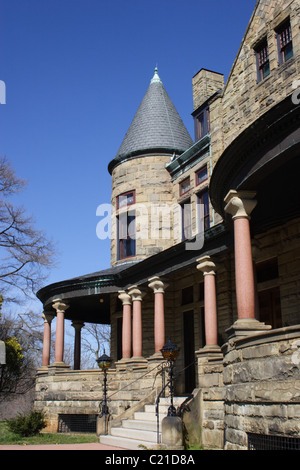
[(75, 73)]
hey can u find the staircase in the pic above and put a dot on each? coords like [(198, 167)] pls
[(141, 431)]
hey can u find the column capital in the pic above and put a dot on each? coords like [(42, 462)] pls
[(206, 265), (48, 317), (59, 305), (124, 297), (77, 324), (240, 204), (136, 293), (157, 284)]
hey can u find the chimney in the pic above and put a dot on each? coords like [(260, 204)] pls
[(205, 84)]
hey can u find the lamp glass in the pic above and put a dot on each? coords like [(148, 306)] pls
[(104, 362), (170, 351)]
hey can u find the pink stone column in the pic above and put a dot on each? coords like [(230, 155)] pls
[(77, 325), (208, 267), (60, 308), (137, 336), (158, 287), (240, 205), (126, 324), (47, 338)]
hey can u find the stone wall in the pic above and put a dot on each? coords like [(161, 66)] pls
[(69, 392), (210, 382), (283, 243), (244, 99), (262, 386)]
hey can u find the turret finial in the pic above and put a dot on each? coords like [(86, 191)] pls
[(156, 78)]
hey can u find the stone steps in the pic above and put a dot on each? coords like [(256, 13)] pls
[(141, 431)]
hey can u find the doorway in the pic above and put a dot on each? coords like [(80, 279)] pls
[(269, 307)]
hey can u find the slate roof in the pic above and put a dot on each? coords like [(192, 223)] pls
[(156, 126)]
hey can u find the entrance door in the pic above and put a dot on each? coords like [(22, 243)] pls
[(269, 307), (189, 350)]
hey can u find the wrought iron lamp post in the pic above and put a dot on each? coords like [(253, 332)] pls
[(104, 362), (170, 352)]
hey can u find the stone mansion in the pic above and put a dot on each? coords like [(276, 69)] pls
[(205, 251)]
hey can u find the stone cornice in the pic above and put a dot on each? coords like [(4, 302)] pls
[(189, 158)]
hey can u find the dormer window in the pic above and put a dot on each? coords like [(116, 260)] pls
[(202, 124), (262, 61)]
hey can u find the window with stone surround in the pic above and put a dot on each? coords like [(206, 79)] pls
[(187, 295), (184, 186), (202, 125), (126, 225), (201, 175), (262, 60), (125, 199), (284, 42), (203, 211)]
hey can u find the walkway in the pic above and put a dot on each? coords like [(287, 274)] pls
[(89, 446)]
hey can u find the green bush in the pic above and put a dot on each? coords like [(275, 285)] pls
[(27, 425)]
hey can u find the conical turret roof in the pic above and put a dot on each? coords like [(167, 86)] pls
[(156, 127)]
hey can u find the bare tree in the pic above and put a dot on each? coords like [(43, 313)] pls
[(95, 339), (24, 251)]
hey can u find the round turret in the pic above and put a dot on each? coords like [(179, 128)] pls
[(141, 185)]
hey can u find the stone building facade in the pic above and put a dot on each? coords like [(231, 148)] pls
[(205, 250)]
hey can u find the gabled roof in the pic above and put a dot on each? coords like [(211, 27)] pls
[(156, 127)]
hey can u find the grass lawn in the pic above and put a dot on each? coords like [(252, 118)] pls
[(9, 438)]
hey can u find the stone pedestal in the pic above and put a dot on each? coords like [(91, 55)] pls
[(172, 435), (57, 366), (103, 425), (246, 327), (210, 382)]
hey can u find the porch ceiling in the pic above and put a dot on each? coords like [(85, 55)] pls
[(264, 147)]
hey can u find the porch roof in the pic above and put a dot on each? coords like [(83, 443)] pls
[(89, 295)]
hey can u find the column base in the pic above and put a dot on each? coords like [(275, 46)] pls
[(210, 352), (138, 360), (121, 364), (156, 357), (246, 327), (58, 365), (42, 370)]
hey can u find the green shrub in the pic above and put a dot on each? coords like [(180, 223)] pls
[(27, 425)]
